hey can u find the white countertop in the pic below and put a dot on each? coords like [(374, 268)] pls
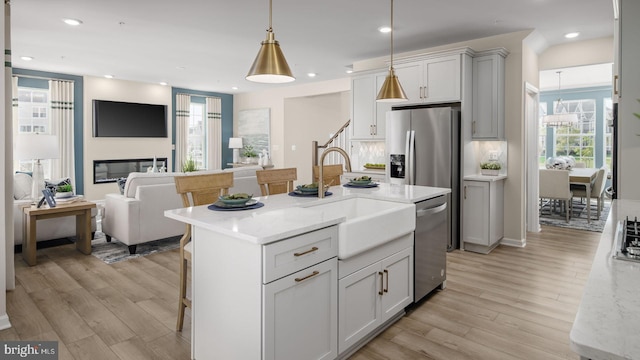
[(284, 216), (480, 177), (607, 324)]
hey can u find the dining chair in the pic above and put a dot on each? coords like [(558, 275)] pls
[(331, 174), (597, 190), (554, 185), (196, 190), (276, 181)]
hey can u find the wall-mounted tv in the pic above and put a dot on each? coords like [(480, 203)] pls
[(123, 119)]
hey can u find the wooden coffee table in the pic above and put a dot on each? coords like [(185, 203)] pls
[(80, 209)]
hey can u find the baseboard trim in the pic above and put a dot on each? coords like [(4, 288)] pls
[(4, 322), (513, 242)]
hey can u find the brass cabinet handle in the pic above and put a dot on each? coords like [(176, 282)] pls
[(615, 85), (421, 92), (381, 283), (386, 289), (308, 276), (306, 252), (473, 127), (465, 191)]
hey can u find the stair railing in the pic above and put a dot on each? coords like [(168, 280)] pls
[(339, 139)]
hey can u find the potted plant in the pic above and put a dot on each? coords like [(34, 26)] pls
[(64, 190), (249, 153), (189, 165), (490, 168)]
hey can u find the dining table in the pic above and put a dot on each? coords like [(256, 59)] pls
[(584, 177)]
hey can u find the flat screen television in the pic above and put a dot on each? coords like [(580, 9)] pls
[(123, 119)]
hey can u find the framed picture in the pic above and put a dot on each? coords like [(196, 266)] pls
[(48, 196), (254, 129)]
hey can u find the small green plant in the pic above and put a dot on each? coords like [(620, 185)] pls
[(189, 165), (249, 152), (64, 188), (491, 165)]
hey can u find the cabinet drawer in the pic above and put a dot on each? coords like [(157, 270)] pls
[(296, 253)]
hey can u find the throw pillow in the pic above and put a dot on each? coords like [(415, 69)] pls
[(121, 183), (21, 186), (53, 185)]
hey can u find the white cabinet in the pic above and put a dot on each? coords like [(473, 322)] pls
[(433, 80), (488, 95), (367, 115), (301, 314), (372, 295), (482, 215)]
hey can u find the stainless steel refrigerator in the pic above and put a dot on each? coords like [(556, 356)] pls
[(423, 148)]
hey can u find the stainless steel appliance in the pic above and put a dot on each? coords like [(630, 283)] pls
[(423, 148), (627, 240), (430, 247)]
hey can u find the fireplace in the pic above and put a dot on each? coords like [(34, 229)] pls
[(107, 171)]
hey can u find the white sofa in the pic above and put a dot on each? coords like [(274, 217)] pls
[(137, 215), (47, 229)]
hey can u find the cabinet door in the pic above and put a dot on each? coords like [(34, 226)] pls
[(442, 79), (381, 110), (300, 314), (359, 305), (488, 111), (476, 212), (397, 292), (410, 77), (363, 106)]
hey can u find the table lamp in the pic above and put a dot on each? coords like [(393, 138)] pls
[(37, 147), (236, 145)]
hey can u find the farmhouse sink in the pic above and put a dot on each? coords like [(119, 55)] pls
[(369, 223)]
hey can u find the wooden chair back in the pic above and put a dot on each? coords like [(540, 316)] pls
[(276, 181), (331, 174), (203, 189)]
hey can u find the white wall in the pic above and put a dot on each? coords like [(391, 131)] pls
[(120, 148), (311, 118), (273, 98), (588, 52)]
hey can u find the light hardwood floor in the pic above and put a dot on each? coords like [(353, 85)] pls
[(515, 303)]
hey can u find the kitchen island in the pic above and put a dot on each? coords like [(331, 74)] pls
[(608, 319), (251, 269)]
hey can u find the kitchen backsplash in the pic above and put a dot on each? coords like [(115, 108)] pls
[(484, 150), (363, 152)]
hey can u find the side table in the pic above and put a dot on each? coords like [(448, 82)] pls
[(80, 209)]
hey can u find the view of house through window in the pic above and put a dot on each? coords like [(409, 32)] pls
[(196, 140), (33, 117)]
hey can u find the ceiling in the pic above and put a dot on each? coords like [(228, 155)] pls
[(210, 45)]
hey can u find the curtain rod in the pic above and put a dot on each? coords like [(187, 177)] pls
[(205, 96), (41, 77)]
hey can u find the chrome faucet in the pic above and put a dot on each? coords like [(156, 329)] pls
[(321, 172)]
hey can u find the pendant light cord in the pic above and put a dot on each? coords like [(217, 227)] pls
[(391, 34), (270, 12)]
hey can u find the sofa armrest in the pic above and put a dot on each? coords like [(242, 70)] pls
[(121, 217), (248, 185), (154, 200)]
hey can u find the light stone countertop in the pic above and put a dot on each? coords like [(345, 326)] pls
[(283, 216), (607, 325), (488, 178)]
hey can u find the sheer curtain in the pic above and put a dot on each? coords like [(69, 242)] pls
[(62, 126), (214, 133), (183, 104)]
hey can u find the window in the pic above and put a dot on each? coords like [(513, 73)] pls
[(33, 117), (578, 140), (196, 139)]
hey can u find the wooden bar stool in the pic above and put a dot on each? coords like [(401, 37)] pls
[(196, 190), (331, 174), (276, 181)]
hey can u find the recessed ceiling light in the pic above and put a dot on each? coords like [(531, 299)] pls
[(109, 76), (311, 74), (384, 29), (72, 22), (163, 83), (180, 67), (234, 88), (349, 71), (571, 35), (26, 58)]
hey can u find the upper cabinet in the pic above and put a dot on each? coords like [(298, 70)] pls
[(432, 80), (367, 115), (488, 95)]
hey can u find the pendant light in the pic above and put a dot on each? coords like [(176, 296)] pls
[(561, 116), (270, 66), (391, 90)]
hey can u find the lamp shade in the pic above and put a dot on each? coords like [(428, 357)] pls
[(270, 66), (235, 143), (37, 147), (391, 90), (562, 119)]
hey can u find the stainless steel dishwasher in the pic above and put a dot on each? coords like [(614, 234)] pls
[(430, 247)]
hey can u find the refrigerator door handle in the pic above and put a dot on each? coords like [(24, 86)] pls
[(411, 167)]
